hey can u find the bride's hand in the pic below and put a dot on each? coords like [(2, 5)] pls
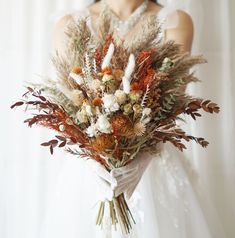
[(120, 180), (128, 176), (106, 182)]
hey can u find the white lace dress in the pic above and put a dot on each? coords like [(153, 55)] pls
[(166, 204)]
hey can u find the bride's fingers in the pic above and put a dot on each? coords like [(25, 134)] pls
[(101, 171), (129, 192), (120, 172), (105, 189), (127, 180), (125, 186), (104, 174)]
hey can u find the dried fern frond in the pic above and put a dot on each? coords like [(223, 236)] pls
[(145, 97)]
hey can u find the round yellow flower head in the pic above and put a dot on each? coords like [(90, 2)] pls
[(134, 96)]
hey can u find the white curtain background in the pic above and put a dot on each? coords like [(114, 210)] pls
[(28, 172)]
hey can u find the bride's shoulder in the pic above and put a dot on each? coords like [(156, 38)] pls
[(93, 9), (65, 20), (72, 16), (182, 17), (59, 32), (175, 18)]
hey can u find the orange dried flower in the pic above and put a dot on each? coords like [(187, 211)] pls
[(148, 79), (135, 86), (107, 70), (97, 101), (122, 125), (77, 70), (103, 142)]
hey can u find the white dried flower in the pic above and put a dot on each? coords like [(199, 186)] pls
[(121, 96), (88, 109), (146, 111), (110, 103), (103, 124), (107, 77), (62, 128), (81, 116), (92, 130), (146, 120), (97, 110), (94, 84)]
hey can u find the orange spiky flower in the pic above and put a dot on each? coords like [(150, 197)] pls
[(122, 125), (103, 142)]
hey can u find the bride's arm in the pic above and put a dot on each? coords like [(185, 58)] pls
[(182, 33), (59, 35)]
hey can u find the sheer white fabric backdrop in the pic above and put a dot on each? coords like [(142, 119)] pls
[(28, 172)]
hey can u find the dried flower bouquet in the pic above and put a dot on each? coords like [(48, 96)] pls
[(111, 101)]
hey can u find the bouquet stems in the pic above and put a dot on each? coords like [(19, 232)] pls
[(119, 214)]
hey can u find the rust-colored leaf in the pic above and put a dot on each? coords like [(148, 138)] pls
[(30, 89), (53, 142), (62, 144), (61, 138), (42, 98), (45, 144), (17, 104), (73, 140), (51, 149)]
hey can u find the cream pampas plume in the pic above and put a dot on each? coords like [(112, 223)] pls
[(128, 72), (108, 56)]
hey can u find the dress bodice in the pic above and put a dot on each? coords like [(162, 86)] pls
[(165, 17)]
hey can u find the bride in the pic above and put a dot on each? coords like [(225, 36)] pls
[(165, 197)]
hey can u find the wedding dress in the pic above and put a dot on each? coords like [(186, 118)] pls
[(167, 203)]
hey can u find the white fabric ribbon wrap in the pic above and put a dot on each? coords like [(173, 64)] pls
[(124, 179)]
